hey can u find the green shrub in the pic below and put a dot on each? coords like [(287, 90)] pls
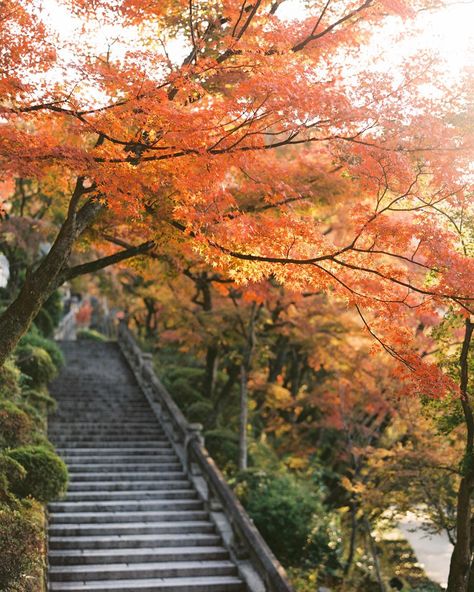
[(172, 372), (9, 380), (54, 307), (15, 425), (280, 503), (45, 323), (10, 471), (200, 412), (21, 543), (91, 335), (185, 394), (184, 384), (38, 418), (36, 363), (36, 340), (40, 400), (223, 446), (46, 474)]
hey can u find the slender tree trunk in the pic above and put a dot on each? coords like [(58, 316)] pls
[(461, 559), (470, 584), (352, 542), (243, 453), (224, 393), (210, 374), (373, 552), (276, 364)]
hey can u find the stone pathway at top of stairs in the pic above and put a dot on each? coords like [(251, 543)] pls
[(131, 520)]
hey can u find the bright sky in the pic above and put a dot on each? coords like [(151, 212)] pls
[(449, 31)]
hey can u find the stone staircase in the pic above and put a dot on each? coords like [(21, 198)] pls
[(132, 519)]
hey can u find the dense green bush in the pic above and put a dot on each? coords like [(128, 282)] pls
[(184, 385), (21, 542), (40, 400), (223, 446), (15, 425), (46, 474), (54, 307), (32, 470), (91, 335), (10, 471), (36, 340), (200, 412), (9, 380), (282, 508), (36, 363), (45, 323)]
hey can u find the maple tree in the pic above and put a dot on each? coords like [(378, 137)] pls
[(315, 397), (270, 151)]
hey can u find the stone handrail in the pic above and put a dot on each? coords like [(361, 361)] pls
[(66, 330), (255, 561)]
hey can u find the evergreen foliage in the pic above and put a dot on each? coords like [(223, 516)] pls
[(46, 475)]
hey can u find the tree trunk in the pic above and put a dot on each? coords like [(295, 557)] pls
[(461, 559), (243, 419), (224, 393), (470, 584), (277, 363), (210, 374), (41, 283), (373, 552), (38, 286), (353, 537)]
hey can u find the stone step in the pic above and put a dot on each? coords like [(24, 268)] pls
[(128, 475), (115, 433), (132, 520), (198, 584), (125, 506), (127, 516), (112, 390), (97, 401), (172, 569), (119, 460), (75, 423), (112, 486), (132, 439), (105, 394), (165, 445), (107, 495), (105, 431), (136, 528), (115, 452), (132, 541), (103, 557), (90, 417), (150, 466)]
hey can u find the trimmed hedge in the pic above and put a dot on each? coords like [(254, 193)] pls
[(9, 380), (36, 340), (91, 335), (21, 542), (15, 425), (46, 476), (280, 503), (223, 446), (36, 363)]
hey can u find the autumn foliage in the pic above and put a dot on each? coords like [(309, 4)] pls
[(268, 151), (300, 167)]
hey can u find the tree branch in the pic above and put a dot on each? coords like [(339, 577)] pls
[(98, 264)]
